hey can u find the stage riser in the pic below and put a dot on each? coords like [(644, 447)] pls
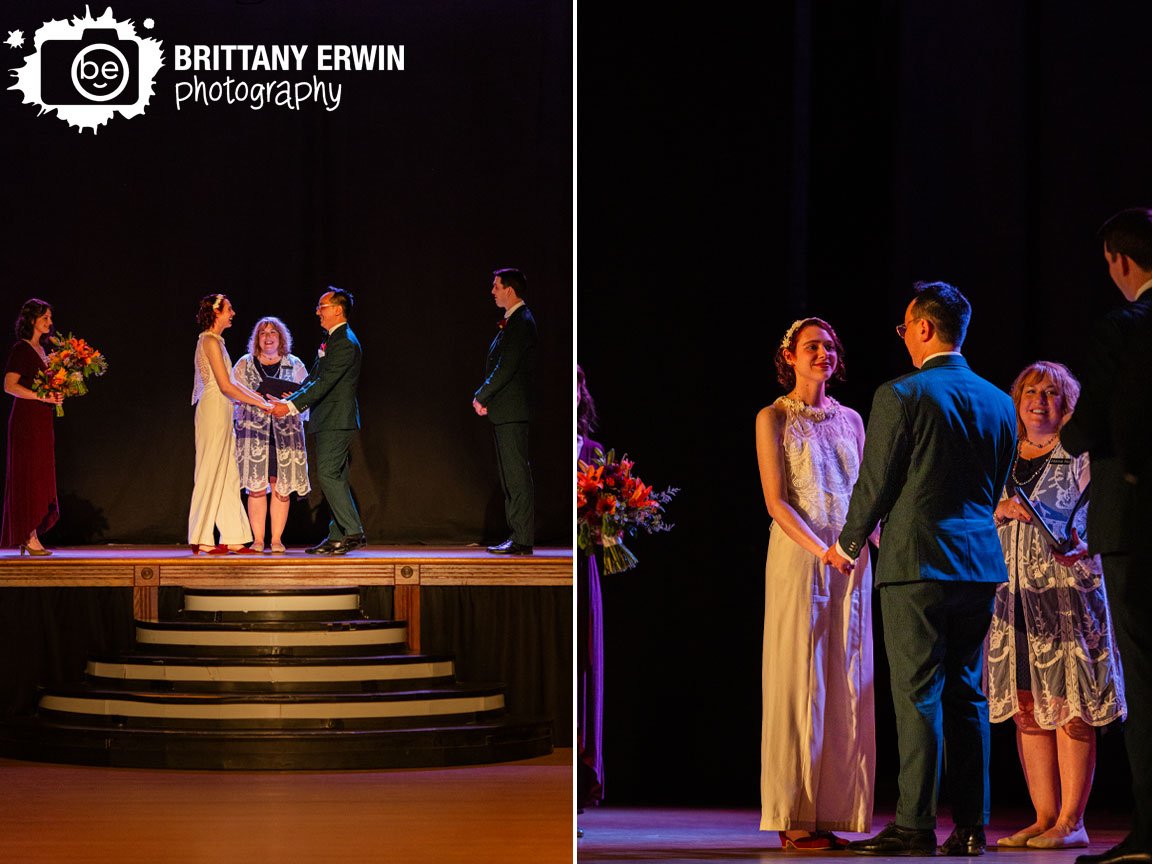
[(270, 617), (255, 680), (303, 751), (279, 651), (211, 671), (225, 688), (349, 725)]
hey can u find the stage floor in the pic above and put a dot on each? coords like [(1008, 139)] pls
[(489, 814), (138, 566), (703, 836)]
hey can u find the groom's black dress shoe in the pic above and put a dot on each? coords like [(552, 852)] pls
[(510, 548), (323, 548), (347, 544), (1118, 854), (894, 840), (967, 840)]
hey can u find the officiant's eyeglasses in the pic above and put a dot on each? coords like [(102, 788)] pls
[(324, 306), (901, 329)]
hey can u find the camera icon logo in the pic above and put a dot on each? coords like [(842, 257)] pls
[(98, 68), (88, 70)]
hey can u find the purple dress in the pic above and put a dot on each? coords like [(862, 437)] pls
[(589, 669)]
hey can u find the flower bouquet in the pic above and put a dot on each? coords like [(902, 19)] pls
[(610, 502), (70, 363)]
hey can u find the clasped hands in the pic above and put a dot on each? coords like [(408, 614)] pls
[(832, 558), (276, 407)]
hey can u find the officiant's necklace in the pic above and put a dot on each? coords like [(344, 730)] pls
[(1047, 458), (262, 363)]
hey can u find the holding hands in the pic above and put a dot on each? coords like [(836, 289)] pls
[(832, 558), (278, 408)]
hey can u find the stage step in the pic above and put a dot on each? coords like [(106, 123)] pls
[(275, 679), (360, 636), (226, 604), (257, 750), (269, 674), (455, 704)]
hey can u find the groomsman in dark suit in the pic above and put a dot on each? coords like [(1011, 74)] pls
[(505, 398), (939, 446), (1111, 424), (330, 392)]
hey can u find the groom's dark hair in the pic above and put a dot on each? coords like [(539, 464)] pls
[(341, 298), (946, 308)]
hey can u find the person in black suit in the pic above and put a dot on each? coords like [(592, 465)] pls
[(330, 392), (1115, 393), (505, 398), (938, 449)]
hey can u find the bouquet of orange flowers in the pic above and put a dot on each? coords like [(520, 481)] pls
[(69, 365), (610, 502)]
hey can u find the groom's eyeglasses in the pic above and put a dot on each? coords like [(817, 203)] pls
[(324, 306), (901, 329)]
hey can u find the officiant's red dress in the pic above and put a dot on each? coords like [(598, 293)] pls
[(30, 502)]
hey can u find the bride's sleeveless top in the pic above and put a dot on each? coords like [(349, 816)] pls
[(822, 461), (202, 378)]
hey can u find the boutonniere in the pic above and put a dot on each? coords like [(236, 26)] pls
[(503, 322), (323, 348)]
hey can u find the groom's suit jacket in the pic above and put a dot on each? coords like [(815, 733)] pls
[(938, 450), (330, 388)]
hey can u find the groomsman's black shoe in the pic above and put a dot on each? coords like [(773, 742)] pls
[(323, 548), (894, 840), (510, 548), (1118, 854), (347, 544), (966, 840)]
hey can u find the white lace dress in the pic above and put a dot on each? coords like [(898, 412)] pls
[(818, 742), (216, 486), (1072, 660)]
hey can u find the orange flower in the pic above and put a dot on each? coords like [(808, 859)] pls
[(606, 504)]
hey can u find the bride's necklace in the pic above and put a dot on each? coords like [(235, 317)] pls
[(830, 409)]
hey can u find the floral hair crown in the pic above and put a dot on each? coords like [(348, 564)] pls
[(219, 303), (786, 342)]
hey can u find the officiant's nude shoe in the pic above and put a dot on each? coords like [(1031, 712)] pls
[(36, 553), (1020, 838)]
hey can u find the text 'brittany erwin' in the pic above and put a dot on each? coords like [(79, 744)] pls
[(288, 58)]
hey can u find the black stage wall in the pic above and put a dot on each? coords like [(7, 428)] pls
[(408, 195), (819, 163)]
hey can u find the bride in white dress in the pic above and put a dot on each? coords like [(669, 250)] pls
[(818, 743), (216, 491)]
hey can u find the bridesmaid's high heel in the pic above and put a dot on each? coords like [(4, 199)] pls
[(35, 553)]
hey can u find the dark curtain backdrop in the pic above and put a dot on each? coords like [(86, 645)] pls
[(817, 163), (408, 195)]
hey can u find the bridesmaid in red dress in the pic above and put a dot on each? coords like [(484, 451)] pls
[(30, 503)]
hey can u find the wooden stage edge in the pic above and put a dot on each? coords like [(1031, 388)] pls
[(146, 569)]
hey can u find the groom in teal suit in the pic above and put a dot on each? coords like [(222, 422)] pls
[(939, 446), (330, 392)]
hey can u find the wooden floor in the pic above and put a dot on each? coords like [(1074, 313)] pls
[(514, 812), (700, 836)]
